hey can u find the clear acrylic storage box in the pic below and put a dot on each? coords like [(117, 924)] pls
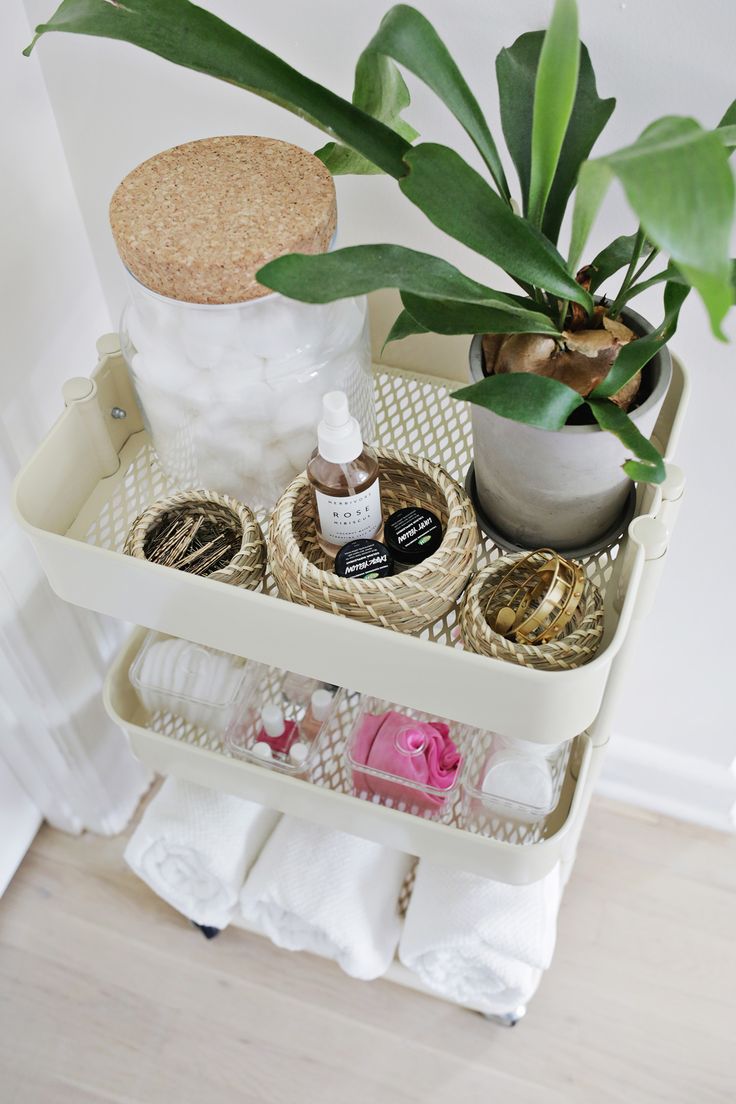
[(204, 686), (281, 723), (406, 759), (512, 778)]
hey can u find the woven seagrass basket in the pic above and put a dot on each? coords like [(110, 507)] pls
[(247, 566), (407, 602), (577, 646)]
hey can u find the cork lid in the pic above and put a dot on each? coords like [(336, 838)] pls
[(196, 222)]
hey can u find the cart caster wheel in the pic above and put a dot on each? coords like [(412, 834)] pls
[(506, 1019)]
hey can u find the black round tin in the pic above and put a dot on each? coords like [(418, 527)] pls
[(412, 534), (364, 559)]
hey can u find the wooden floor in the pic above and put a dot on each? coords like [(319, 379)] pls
[(107, 995)]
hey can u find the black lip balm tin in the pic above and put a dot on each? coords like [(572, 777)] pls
[(364, 559), (412, 534)]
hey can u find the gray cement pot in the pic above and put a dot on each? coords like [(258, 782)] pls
[(561, 489)]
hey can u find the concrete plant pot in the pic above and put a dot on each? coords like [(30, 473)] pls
[(564, 489)]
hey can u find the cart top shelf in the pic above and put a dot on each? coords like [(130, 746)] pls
[(95, 472)]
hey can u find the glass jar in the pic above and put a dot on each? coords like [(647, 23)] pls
[(229, 375), (231, 394)]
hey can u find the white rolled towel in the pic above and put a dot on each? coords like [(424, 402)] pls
[(194, 846), (481, 943), (316, 889)]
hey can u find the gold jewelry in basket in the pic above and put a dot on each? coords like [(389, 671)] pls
[(535, 600)]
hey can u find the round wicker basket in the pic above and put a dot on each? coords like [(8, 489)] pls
[(247, 566), (578, 645), (407, 602)]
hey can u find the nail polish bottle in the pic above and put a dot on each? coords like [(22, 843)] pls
[(276, 731), (317, 713), (343, 473), (298, 754)]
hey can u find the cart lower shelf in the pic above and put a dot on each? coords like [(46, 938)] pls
[(498, 847)]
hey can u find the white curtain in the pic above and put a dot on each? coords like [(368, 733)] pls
[(54, 733), (57, 739)]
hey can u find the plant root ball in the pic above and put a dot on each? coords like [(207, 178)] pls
[(581, 360)]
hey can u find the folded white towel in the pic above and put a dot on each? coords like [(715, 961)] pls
[(194, 846), (479, 942), (316, 889)]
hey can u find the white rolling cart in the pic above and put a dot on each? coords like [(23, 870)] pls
[(96, 470)]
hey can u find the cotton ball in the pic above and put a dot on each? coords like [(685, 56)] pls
[(170, 370), (170, 428), (277, 328), (277, 470), (216, 473), (215, 325), (201, 351), (300, 408), (162, 409), (314, 324), (249, 457), (236, 374), (347, 324), (259, 403), (298, 448), (300, 367), (218, 428), (198, 396), (262, 331)]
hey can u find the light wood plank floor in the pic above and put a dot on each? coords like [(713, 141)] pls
[(107, 995)]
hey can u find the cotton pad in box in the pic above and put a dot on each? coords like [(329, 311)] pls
[(204, 686), (518, 779)]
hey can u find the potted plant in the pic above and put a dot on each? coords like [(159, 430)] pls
[(566, 379)]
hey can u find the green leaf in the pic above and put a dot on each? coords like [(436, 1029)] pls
[(190, 36), (406, 36), (649, 467), (448, 316), (727, 128), (404, 326), (594, 179), (516, 70), (524, 397), (673, 275), (554, 95), (729, 116), (632, 357), (727, 136), (458, 200), (678, 181), (615, 256), (380, 91), (358, 269)]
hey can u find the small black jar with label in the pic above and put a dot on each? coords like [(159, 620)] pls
[(412, 534)]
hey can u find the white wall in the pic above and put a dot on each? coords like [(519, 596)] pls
[(116, 106), (52, 309), (51, 303)]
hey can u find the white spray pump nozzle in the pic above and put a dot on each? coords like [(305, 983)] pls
[(335, 411), (339, 439)]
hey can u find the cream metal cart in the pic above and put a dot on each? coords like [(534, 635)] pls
[(96, 470)]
